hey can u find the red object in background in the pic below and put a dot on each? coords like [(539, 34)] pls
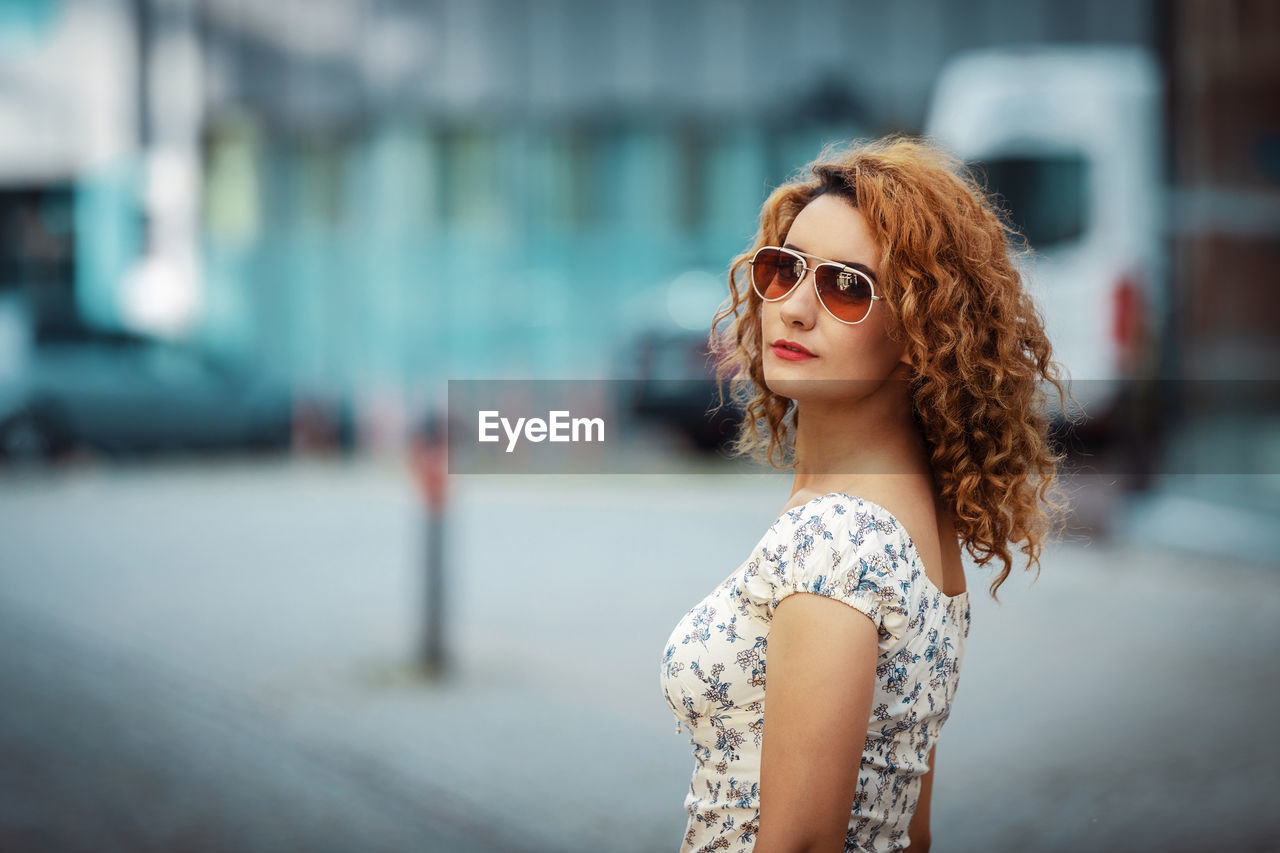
[(1126, 319), (430, 463)]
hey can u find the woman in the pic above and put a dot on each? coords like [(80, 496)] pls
[(888, 354)]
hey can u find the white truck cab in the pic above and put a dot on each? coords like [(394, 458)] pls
[(1070, 138)]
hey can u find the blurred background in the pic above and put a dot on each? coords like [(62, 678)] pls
[(246, 244)]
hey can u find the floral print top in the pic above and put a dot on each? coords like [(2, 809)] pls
[(713, 669)]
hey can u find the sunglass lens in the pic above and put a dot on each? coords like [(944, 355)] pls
[(846, 294), (774, 273)]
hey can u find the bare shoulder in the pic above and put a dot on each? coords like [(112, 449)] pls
[(908, 499), (803, 498), (911, 500)]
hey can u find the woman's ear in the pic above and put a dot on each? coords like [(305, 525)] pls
[(902, 369)]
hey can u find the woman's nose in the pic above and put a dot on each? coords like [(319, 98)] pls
[(800, 304)]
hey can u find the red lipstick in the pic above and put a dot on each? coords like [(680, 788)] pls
[(791, 350)]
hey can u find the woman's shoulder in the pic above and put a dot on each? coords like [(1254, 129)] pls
[(903, 514), (853, 527), (912, 517), (840, 545), (901, 509)]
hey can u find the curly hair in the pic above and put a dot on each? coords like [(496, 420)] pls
[(977, 344)]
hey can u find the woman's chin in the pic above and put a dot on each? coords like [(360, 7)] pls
[(817, 389), (797, 387)]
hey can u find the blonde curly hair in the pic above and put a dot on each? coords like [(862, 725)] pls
[(977, 344)]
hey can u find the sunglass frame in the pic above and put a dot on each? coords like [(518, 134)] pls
[(817, 290)]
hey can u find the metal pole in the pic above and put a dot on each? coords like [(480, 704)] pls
[(430, 465), (433, 651)]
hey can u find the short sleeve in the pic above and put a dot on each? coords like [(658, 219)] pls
[(841, 547)]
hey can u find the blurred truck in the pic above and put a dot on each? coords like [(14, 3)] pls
[(1070, 139)]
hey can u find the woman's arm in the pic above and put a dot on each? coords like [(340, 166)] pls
[(919, 829), (820, 681)]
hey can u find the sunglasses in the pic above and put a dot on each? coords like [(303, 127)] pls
[(845, 292)]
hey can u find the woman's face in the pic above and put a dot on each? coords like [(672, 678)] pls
[(831, 228)]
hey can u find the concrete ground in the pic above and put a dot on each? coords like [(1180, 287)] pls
[(213, 657)]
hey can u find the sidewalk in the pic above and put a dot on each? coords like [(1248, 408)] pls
[(105, 753), (1096, 705)]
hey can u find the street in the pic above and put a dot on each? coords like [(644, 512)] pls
[(204, 657)]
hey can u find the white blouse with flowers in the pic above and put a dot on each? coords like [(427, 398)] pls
[(713, 669)]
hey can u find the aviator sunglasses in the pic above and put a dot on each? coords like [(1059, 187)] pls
[(845, 292)]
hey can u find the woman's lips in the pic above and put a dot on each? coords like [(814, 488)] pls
[(790, 354)]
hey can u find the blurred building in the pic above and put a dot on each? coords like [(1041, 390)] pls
[(371, 196), (1222, 69)]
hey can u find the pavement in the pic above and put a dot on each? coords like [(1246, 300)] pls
[(201, 656)]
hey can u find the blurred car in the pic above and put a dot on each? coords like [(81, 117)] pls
[(676, 389), (120, 393), (666, 362), (1069, 138)]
